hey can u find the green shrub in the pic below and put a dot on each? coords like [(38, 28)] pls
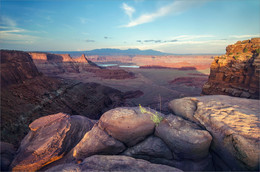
[(245, 50), (235, 57), (230, 54), (156, 118), (257, 50)]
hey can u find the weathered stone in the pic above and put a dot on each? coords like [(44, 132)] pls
[(240, 66), (185, 139), (184, 107), (7, 153), (49, 139), (235, 127), (113, 163), (150, 147), (96, 141), (129, 125)]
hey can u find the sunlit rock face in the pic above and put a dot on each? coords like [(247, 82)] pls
[(237, 72), (233, 124), (50, 137)]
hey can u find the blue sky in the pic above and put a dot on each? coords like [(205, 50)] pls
[(183, 26)]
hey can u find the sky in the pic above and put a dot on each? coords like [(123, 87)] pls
[(171, 26)]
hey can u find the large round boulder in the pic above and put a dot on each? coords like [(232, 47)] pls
[(130, 125), (184, 138)]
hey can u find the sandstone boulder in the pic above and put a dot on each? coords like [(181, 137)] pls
[(96, 141), (49, 139), (235, 127), (7, 153), (113, 163), (185, 139), (184, 107), (129, 125), (152, 147)]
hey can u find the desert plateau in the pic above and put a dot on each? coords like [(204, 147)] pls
[(130, 86)]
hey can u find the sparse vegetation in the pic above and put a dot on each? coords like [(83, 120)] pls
[(245, 50), (236, 57), (156, 118), (257, 50)]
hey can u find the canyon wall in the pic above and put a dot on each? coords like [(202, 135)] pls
[(26, 94), (237, 72)]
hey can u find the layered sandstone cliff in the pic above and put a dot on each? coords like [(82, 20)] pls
[(237, 72), (26, 94)]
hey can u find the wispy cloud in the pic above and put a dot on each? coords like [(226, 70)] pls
[(191, 37), (128, 10), (107, 37), (155, 41), (175, 7), (83, 20), (244, 36), (10, 33), (90, 40), (6, 21)]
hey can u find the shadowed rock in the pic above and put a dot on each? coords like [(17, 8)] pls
[(96, 141), (129, 125), (49, 139), (150, 147), (114, 163), (7, 153), (185, 139)]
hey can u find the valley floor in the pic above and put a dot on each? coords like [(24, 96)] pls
[(158, 85)]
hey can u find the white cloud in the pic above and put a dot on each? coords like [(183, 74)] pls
[(128, 10), (6, 21), (83, 20), (244, 36), (176, 7), (190, 37)]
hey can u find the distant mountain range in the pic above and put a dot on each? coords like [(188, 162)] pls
[(112, 52)]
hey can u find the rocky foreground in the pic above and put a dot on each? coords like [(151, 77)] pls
[(203, 134), (237, 72)]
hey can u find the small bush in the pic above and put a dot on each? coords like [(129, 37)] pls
[(156, 118), (236, 57), (230, 54), (248, 57), (245, 50), (257, 50)]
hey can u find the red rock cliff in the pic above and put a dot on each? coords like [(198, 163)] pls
[(237, 72), (16, 67)]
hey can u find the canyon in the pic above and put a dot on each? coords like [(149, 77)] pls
[(64, 113)]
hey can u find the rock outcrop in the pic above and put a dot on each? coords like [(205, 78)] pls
[(7, 153), (26, 95), (237, 72), (113, 163), (16, 67), (122, 131), (55, 64), (233, 124), (50, 137)]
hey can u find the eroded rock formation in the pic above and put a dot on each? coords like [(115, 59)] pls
[(55, 64), (233, 124), (26, 95), (237, 72)]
